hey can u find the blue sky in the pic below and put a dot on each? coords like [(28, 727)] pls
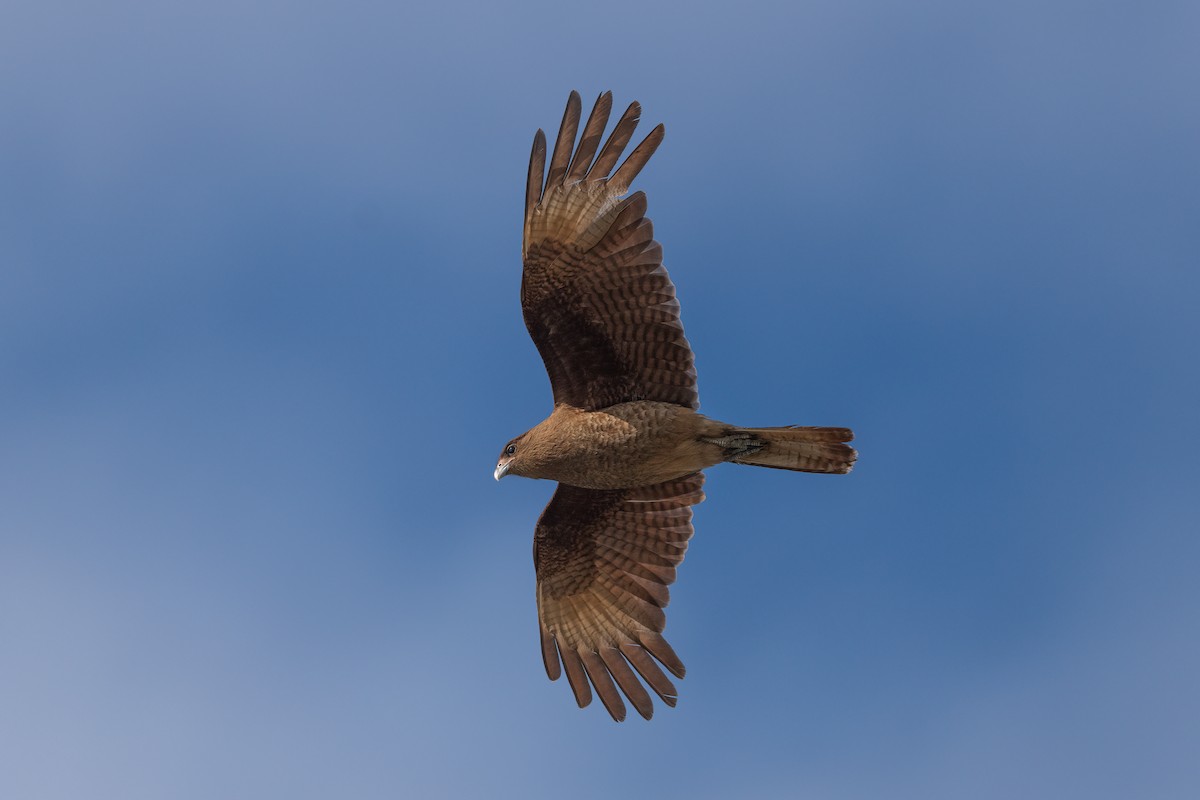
[(260, 344)]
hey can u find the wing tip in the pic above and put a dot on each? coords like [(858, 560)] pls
[(658, 647), (550, 657), (641, 155)]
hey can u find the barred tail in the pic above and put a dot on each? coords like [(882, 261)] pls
[(793, 447)]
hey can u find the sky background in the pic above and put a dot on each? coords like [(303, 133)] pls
[(260, 345)]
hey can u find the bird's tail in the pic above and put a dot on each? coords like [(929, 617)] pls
[(792, 447)]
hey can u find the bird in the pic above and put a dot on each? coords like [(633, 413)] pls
[(624, 441)]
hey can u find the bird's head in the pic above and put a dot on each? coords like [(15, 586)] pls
[(510, 458)]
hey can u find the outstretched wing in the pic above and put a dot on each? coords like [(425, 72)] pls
[(604, 560), (597, 300)]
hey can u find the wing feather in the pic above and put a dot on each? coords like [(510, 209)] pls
[(590, 139), (537, 168), (623, 675), (633, 165), (550, 655), (598, 674), (651, 674), (597, 301), (604, 560), (576, 677), (617, 142), (657, 646), (565, 141)]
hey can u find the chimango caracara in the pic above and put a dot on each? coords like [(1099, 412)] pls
[(624, 440)]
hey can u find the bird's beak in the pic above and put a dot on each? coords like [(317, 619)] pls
[(501, 470)]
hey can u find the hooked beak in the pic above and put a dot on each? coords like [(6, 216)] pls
[(501, 470)]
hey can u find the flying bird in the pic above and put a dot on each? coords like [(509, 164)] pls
[(624, 441)]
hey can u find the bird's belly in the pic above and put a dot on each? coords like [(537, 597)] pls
[(635, 444)]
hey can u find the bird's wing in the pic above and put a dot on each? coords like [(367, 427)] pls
[(597, 300), (604, 559)]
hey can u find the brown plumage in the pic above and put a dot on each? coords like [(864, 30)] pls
[(624, 441)]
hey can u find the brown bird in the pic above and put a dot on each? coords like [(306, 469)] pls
[(624, 441)]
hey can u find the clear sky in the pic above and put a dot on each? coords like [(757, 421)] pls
[(260, 345)]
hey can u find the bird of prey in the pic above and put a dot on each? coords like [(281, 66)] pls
[(624, 440)]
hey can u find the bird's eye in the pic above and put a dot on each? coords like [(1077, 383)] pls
[(510, 450)]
